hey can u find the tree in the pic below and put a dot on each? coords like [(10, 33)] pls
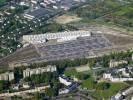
[(92, 62), (102, 86), (1, 85), (82, 76), (89, 84), (37, 96), (49, 92), (4, 85), (18, 73)]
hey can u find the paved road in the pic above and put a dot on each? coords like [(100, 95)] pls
[(37, 89), (73, 95)]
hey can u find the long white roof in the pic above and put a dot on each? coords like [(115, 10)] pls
[(59, 35)]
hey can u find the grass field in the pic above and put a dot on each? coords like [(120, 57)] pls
[(2, 1), (79, 75), (113, 89), (71, 72), (89, 84), (124, 12), (106, 94)]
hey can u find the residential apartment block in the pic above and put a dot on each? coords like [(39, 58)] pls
[(28, 72), (8, 76)]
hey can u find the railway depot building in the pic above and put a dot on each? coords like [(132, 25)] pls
[(60, 37)]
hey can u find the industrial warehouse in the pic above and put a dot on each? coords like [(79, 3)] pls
[(63, 45), (48, 8), (60, 37)]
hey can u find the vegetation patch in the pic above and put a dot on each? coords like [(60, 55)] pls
[(112, 90), (78, 75), (103, 89), (2, 1), (108, 11)]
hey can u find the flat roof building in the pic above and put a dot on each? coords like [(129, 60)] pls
[(64, 80), (8, 76), (114, 75), (60, 36), (38, 13), (29, 72), (114, 63)]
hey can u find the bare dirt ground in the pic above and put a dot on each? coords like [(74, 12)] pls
[(23, 53), (117, 37), (64, 19), (118, 40)]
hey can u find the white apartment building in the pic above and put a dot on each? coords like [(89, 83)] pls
[(118, 96), (28, 72), (26, 85), (65, 81), (119, 74), (116, 63), (63, 91), (60, 37), (132, 57), (7, 76), (125, 93), (108, 76), (121, 79), (128, 91)]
